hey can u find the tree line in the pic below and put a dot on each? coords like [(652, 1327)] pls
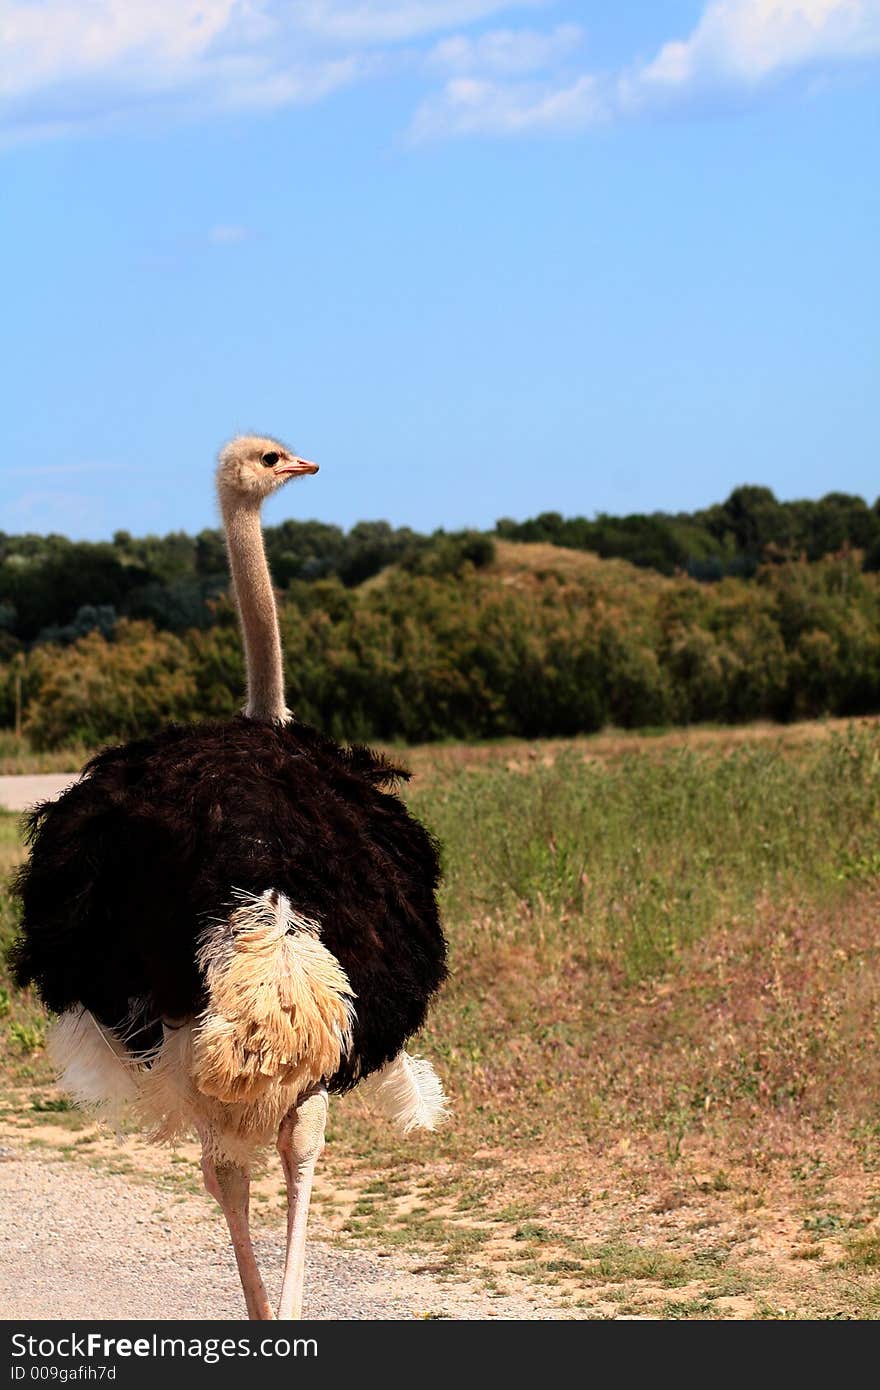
[(485, 650), (730, 538), (54, 590)]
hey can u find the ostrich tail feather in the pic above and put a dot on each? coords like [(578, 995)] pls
[(280, 1006)]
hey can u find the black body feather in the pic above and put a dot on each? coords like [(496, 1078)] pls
[(132, 862)]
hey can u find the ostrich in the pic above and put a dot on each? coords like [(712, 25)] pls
[(233, 919)]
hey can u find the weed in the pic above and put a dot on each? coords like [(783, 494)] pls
[(30, 1037), (864, 1252), (52, 1105)]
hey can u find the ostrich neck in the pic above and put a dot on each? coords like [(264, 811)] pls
[(259, 619)]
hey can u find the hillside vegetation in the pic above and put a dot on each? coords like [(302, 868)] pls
[(732, 537), (54, 589), (400, 637), (540, 641)]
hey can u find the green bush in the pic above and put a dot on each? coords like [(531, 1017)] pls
[(97, 691)]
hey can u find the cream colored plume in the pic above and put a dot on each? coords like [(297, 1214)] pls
[(408, 1092), (279, 1003)]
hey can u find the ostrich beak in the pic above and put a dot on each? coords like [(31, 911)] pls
[(295, 468)]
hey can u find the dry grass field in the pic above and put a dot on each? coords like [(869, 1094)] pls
[(660, 1037)]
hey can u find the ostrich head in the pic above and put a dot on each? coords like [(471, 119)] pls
[(250, 468)]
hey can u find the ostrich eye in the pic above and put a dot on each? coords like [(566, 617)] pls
[(270, 460)]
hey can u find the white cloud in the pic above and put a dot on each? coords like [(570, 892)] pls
[(735, 45), (390, 21), (496, 88), (63, 40), (505, 51), (66, 65), (471, 106), (227, 234), (744, 42), (72, 64)]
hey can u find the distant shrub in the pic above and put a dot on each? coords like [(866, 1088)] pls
[(98, 690), (88, 618)]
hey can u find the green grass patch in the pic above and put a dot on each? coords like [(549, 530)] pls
[(637, 859), (52, 1105), (864, 1252), (18, 757)]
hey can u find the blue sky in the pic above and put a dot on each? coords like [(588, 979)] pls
[(477, 258)]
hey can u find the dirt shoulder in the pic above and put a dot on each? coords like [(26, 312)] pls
[(95, 1226), (79, 1243)]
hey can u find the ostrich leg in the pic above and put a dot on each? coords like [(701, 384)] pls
[(230, 1186), (300, 1144)]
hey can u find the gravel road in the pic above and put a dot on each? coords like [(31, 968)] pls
[(18, 793), (81, 1244)]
